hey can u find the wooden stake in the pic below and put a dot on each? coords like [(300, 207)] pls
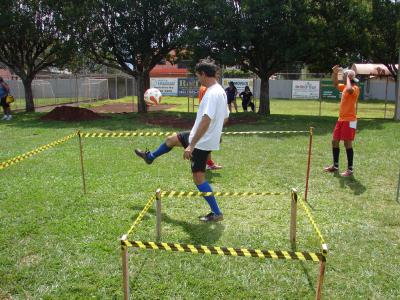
[(82, 168), (158, 211), (293, 218), (125, 268), (320, 280), (309, 162)]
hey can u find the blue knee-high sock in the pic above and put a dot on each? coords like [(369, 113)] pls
[(206, 187), (160, 151)]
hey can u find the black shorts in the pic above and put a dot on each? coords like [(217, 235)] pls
[(4, 103), (231, 100), (199, 157)]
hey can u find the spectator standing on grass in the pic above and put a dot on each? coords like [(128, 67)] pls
[(231, 93), (345, 129), (246, 96), (4, 91), (204, 137)]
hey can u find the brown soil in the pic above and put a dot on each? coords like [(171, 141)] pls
[(126, 108), (71, 114)]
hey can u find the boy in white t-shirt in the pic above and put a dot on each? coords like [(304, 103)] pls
[(203, 138)]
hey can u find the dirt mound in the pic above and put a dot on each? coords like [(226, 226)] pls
[(70, 114)]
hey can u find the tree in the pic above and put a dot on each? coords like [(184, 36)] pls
[(385, 38), (132, 36), (30, 41), (267, 37)]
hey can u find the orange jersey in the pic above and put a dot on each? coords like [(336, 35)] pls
[(202, 91), (347, 109)]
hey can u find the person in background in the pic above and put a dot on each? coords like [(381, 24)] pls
[(4, 91), (231, 93), (211, 165), (246, 98), (345, 129)]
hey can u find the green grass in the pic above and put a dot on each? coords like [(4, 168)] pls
[(59, 244), (366, 108)]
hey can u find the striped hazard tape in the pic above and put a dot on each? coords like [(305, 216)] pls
[(316, 229), (129, 134), (196, 249), (171, 194), (263, 132), (26, 155), (124, 134), (142, 214)]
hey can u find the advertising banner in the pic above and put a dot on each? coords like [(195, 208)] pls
[(328, 91), (167, 86), (302, 89), (188, 87), (240, 83)]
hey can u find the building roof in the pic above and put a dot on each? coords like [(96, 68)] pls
[(168, 71)]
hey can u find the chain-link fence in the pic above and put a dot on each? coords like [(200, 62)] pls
[(316, 90), (52, 90)]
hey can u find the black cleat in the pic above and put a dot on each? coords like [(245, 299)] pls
[(144, 156), (211, 217)]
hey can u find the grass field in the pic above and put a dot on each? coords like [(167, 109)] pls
[(366, 108), (57, 243)]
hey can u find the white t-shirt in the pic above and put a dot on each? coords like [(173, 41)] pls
[(214, 105)]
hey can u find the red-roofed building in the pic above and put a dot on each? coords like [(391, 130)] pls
[(169, 70)]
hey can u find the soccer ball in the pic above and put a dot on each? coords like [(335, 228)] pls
[(152, 96)]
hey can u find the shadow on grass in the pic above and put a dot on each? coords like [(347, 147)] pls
[(133, 122), (210, 175), (310, 280), (357, 187), (200, 233), (136, 274)]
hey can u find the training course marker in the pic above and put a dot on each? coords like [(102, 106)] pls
[(169, 133), (223, 251), (19, 158)]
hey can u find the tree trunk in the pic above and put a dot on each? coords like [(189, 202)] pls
[(397, 100), (141, 88), (397, 93), (264, 108), (29, 104)]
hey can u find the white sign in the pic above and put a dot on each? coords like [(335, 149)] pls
[(240, 83), (167, 86), (305, 89)]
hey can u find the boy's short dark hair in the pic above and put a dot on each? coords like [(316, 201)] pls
[(207, 67)]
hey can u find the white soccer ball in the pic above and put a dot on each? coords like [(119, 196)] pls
[(152, 96)]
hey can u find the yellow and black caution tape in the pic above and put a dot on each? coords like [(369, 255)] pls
[(196, 249), (26, 155), (263, 132), (142, 214), (171, 194), (311, 219), (129, 134), (124, 134)]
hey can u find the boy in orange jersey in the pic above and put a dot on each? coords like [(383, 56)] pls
[(211, 165), (345, 129)]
